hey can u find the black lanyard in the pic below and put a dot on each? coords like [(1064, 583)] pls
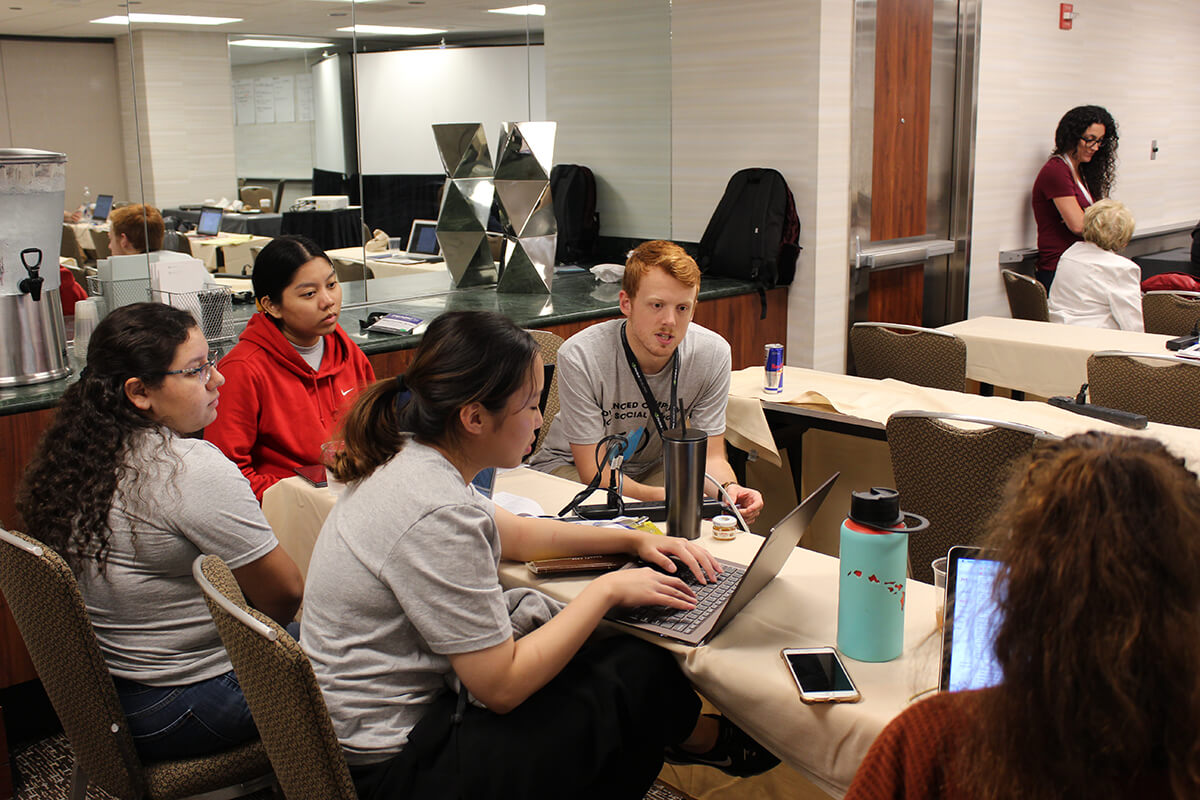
[(640, 378)]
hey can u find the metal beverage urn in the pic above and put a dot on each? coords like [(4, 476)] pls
[(33, 340)]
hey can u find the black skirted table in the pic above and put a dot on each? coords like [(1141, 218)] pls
[(330, 229), (256, 224)]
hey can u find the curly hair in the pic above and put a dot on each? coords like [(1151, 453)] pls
[(1101, 172), (1100, 639), (68, 488), (465, 357)]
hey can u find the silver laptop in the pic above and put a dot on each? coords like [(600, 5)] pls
[(104, 204), (210, 222), (971, 618), (720, 601), (423, 242)]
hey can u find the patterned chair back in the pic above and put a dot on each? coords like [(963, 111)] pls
[(549, 342), (1026, 297), (953, 476), (277, 679), (1163, 388), (921, 356), (1171, 313)]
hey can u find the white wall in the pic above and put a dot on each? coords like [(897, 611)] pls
[(184, 102), (277, 149), (402, 93), (1138, 60), (608, 86), (62, 96)]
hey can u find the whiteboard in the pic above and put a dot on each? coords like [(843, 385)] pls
[(402, 93), (329, 144)]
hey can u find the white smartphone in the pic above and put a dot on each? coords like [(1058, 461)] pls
[(819, 675)]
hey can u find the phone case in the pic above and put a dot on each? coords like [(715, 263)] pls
[(313, 473), (811, 701)]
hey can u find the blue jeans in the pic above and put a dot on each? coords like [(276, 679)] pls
[(170, 722)]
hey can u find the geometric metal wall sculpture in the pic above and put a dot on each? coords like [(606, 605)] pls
[(466, 203), (522, 180)]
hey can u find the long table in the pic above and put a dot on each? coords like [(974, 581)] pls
[(740, 671), (1042, 358)]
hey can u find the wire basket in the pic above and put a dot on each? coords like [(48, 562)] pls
[(114, 294), (212, 307)]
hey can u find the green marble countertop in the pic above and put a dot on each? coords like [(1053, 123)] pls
[(576, 297)]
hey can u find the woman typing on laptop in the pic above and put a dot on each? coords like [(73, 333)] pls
[(405, 620), (1098, 642), (293, 372)]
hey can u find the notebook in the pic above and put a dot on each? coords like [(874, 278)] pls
[(210, 222), (720, 601), (103, 207), (971, 619)]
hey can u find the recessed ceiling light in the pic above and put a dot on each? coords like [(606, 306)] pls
[(287, 44), (535, 10), (390, 30), (166, 19)]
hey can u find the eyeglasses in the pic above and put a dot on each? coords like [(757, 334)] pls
[(1092, 141), (203, 372)]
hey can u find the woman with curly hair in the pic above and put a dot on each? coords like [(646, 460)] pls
[(1099, 642), (1079, 172), (117, 490)]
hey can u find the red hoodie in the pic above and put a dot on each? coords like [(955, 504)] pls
[(275, 412)]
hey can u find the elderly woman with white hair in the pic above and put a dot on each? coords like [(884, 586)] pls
[(1094, 286)]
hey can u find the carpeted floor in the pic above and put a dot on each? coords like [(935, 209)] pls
[(43, 772)]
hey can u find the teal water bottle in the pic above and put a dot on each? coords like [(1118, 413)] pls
[(874, 570)]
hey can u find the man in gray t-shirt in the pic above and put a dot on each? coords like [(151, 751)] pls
[(599, 395)]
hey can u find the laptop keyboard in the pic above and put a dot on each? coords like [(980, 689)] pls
[(709, 598)]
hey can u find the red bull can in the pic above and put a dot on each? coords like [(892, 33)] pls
[(773, 369)]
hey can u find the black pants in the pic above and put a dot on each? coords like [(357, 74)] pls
[(596, 731), (1045, 278)]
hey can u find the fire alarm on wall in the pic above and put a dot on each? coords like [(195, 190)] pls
[(1066, 13)]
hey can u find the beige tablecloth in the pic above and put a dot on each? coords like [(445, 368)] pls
[(83, 233), (236, 249), (740, 671), (386, 269), (1042, 358), (876, 400)]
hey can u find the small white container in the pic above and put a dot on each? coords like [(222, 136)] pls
[(725, 527)]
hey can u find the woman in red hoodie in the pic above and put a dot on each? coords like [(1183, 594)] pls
[(293, 371)]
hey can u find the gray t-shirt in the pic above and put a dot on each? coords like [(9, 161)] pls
[(403, 575), (598, 396), (148, 612)]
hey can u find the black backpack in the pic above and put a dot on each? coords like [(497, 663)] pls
[(754, 234), (573, 189)]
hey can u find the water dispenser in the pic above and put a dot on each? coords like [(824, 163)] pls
[(33, 341)]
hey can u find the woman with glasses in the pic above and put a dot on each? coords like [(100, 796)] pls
[(293, 372), (1079, 172), (119, 491)]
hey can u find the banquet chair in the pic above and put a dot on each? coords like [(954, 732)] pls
[(549, 343), (252, 197), (1164, 388), (278, 681), (921, 356), (1026, 297), (953, 476), (70, 246), (49, 611), (177, 242), (100, 243), (1171, 313)]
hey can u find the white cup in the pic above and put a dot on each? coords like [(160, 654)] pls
[(264, 203), (939, 583), (87, 317)]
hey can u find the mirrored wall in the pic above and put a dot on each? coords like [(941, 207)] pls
[(318, 97)]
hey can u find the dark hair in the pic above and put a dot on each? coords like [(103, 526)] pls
[(68, 488), (1099, 173), (277, 264), (141, 224), (1100, 639), (465, 357)]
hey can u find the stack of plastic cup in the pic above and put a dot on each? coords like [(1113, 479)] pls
[(87, 317)]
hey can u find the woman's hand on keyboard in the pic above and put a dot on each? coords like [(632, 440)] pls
[(646, 587), (659, 550)]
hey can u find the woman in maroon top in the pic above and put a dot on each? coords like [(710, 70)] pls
[(1080, 172)]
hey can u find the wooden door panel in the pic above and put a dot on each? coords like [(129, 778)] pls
[(897, 295)]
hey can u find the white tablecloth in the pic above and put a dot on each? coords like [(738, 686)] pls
[(741, 671), (1042, 358)]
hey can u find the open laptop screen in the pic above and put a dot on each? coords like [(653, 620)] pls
[(423, 239), (103, 207), (972, 617), (210, 222)]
